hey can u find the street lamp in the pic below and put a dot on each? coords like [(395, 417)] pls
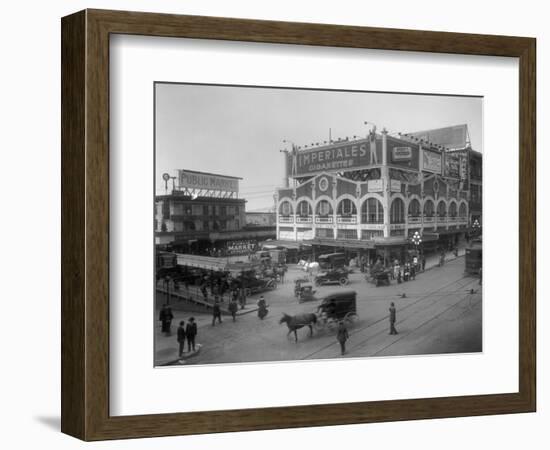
[(476, 226), (167, 283), (416, 240)]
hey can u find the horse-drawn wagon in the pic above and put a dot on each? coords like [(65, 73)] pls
[(336, 307)]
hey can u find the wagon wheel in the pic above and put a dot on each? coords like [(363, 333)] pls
[(343, 281), (351, 318)]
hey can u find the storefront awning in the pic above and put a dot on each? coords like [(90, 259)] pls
[(342, 243)]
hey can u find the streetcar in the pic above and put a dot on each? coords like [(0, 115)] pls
[(473, 260)]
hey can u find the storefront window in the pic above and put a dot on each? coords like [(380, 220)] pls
[(414, 208), (452, 209), (346, 208), (441, 209), (372, 211), (428, 208), (285, 209), (397, 211), (324, 208), (304, 209)]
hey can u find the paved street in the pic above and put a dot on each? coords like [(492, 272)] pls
[(437, 315)]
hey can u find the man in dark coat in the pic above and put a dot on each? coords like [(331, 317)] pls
[(233, 307), (190, 333), (181, 337), (342, 336), (216, 313), (393, 317), (165, 318)]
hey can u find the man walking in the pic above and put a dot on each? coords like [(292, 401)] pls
[(181, 337), (233, 307), (190, 333), (342, 336), (423, 263), (165, 318), (216, 313), (393, 317)]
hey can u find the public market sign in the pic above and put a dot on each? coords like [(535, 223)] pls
[(199, 180)]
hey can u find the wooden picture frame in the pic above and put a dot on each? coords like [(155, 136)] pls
[(85, 224)]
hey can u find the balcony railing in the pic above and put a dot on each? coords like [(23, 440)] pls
[(286, 219), (429, 219), (346, 219), (415, 219), (304, 219), (323, 219)]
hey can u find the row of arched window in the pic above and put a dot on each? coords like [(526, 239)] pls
[(372, 210)]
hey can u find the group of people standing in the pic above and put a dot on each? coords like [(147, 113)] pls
[(184, 334)]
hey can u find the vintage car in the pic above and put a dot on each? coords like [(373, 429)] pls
[(307, 293), (337, 276)]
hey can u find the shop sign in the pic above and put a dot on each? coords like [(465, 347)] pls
[(375, 185), (401, 153), (395, 186)]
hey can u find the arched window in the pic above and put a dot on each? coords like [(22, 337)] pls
[(285, 209), (303, 209), (372, 211), (452, 209), (462, 210), (414, 208), (397, 211), (323, 208), (441, 209), (428, 208), (346, 208)]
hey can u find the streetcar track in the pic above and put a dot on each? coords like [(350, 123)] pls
[(406, 307), (454, 305)]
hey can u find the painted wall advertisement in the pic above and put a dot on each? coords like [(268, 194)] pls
[(431, 161), (340, 156), (452, 165)]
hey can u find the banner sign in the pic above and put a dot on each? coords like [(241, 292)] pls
[(431, 161), (375, 185), (337, 157), (401, 154), (198, 180), (452, 165), (395, 186)]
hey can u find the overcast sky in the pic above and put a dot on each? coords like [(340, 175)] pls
[(239, 131)]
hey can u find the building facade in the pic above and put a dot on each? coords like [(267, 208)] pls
[(204, 215), (371, 195)]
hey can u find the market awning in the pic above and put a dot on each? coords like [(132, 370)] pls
[(341, 243), (282, 243)]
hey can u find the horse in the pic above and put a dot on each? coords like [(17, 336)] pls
[(296, 322)]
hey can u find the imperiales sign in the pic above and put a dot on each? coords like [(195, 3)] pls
[(346, 156)]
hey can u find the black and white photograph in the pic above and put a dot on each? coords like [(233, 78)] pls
[(295, 224)]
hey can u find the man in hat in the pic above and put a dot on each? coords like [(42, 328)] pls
[(393, 317), (190, 333), (342, 336), (181, 337), (165, 318), (216, 312)]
